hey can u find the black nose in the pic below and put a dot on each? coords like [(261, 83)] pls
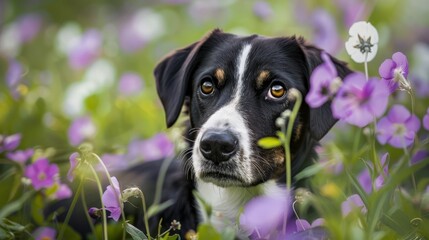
[(218, 146)]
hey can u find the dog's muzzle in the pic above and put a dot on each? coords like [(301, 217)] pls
[(218, 146)]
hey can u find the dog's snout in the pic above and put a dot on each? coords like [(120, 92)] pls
[(218, 146)]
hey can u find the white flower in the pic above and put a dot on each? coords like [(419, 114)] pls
[(362, 44)]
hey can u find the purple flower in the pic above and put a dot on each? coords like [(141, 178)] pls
[(398, 128), (9, 143), (20, 156), (302, 224), (111, 199), (359, 101), (419, 156), (95, 213), (324, 83), (155, 148), (42, 174), (264, 214), (395, 71), (29, 25), (130, 84), (365, 180), (74, 162), (63, 192), (426, 120), (353, 202), (262, 10), (364, 177), (82, 128), (325, 34), (86, 50), (44, 233)]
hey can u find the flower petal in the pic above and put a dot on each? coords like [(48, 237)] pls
[(386, 69), (385, 130), (401, 61), (301, 225), (73, 164), (413, 124), (426, 120), (398, 114)]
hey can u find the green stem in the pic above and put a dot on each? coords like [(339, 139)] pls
[(118, 198), (100, 191), (166, 231), (366, 66), (85, 206), (290, 124), (145, 218), (412, 100), (70, 211), (408, 159)]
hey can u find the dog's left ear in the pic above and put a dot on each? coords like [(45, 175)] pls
[(321, 118), (172, 76)]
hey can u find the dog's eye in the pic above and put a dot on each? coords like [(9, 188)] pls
[(276, 91), (207, 86)]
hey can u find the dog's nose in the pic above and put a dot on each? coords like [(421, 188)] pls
[(218, 146)]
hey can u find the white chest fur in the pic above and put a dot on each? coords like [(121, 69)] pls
[(227, 203)]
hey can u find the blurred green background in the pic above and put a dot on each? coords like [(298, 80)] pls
[(72, 55)]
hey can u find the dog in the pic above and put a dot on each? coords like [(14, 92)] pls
[(232, 88)]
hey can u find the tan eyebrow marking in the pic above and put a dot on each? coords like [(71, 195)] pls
[(220, 76), (262, 77)]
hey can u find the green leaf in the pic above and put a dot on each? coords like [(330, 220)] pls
[(15, 205), (355, 183), (310, 171), (269, 142), (154, 209), (5, 234), (208, 232), (396, 220), (135, 233), (11, 226)]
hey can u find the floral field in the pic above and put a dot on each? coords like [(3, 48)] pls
[(78, 102)]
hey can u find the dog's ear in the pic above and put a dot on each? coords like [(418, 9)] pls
[(321, 118), (172, 76)]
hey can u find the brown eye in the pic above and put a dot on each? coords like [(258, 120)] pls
[(207, 87), (277, 91)]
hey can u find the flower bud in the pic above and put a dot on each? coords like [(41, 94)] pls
[(286, 113), (95, 213), (280, 122), (131, 192), (175, 225)]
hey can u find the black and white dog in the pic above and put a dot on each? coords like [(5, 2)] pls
[(233, 88)]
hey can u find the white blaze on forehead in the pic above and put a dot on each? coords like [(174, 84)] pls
[(241, 69), (230, 118)]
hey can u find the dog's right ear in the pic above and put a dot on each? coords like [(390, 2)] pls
[(173, 76)]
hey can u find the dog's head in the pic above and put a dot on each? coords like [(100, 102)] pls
[(237, 87)]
